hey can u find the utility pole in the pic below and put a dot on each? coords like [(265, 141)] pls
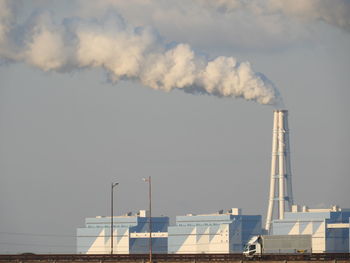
[(112, 187), (149, 180)]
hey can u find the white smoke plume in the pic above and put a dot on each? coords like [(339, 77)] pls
[(126, 52)]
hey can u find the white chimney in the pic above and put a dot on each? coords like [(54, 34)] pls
[(281, 178)]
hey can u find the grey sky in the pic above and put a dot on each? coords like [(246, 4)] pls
[(65, 137)]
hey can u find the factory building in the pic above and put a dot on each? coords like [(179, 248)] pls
[(329, 227), (212, 233), (209, 233), (226, 232), (130, 234)]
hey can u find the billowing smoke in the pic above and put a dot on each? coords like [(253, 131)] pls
[(126, 52)]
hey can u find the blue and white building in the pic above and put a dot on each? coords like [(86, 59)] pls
[(212, 233), (130, 234), (209, 233), (329, 227)]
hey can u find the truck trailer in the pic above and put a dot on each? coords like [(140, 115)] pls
[(278, 244)]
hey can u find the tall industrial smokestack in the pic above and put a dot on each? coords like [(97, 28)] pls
[(281, 177)]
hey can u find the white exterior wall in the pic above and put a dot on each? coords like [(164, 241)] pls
[(130, 235), (212, 233), (98, 241), (204, 239), (318, 237)]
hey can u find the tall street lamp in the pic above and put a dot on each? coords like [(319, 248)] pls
[(112, 187), (150, 215)]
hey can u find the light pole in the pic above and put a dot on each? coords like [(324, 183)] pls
[(150, 215), (112, 187)]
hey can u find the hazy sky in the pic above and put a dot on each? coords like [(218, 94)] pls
[(76, 112)]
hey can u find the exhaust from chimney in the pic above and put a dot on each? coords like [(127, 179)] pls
[(126, 52)]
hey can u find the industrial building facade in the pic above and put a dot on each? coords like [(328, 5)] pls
[(329, 228), (130, 235), (212, 233)]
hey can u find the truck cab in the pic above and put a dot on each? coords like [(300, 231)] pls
[(253, 247)]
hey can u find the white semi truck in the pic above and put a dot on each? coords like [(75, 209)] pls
[(278, 244)]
